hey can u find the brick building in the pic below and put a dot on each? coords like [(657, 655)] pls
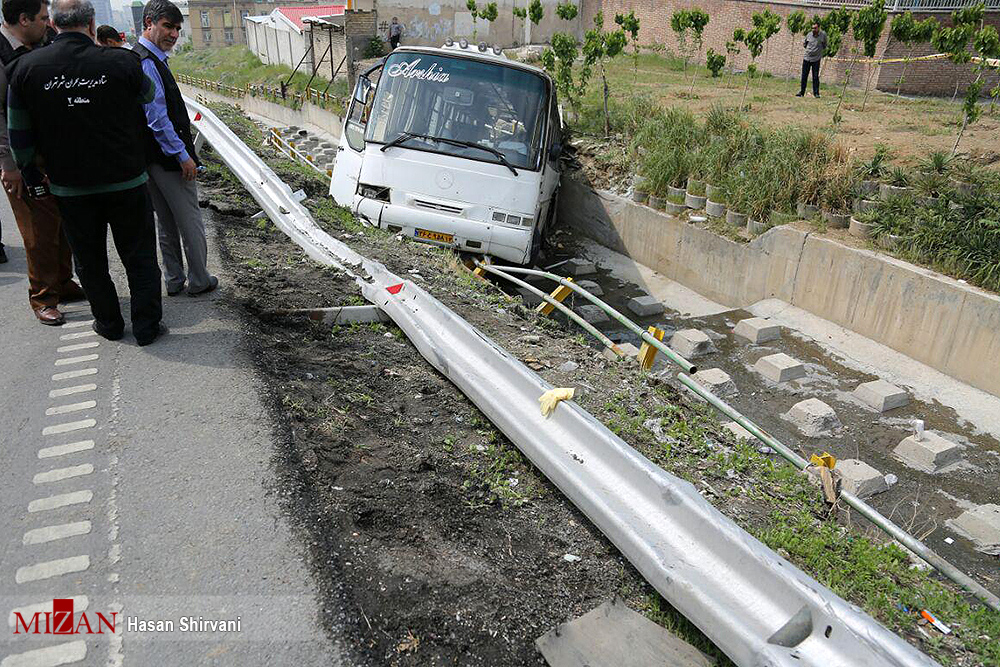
[(222, 22)]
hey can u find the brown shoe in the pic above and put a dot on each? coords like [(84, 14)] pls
[(71, 292), (50, 315)]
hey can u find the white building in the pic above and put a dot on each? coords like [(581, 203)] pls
[(279, 37)]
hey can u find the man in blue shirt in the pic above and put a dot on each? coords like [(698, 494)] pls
[(172, 160)]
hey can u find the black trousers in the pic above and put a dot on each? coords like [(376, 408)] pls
[(806, 66), (129, 214), (393, 42)]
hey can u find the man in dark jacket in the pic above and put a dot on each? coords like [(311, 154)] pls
[(75, 103), (173, 163)]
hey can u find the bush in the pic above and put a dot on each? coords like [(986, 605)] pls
[(374, 49)]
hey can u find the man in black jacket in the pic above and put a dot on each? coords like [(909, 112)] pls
[(74, 103), (173, 163)]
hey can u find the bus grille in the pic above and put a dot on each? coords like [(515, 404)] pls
[(435, 206)]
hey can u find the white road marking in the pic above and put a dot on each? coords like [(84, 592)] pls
[(78, 334), (62, 450), (76, 360), (78, 346), (60, 474), (50, 656), (72, 407), (66, 375), (58, 532), (72, 325), (62, 500), (80, 603), (51, 568), (69, 426), (66, 391)]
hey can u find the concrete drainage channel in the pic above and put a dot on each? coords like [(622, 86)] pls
[(755, 606)]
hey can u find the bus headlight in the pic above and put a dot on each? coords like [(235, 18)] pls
[(376, 192), (512, 219)]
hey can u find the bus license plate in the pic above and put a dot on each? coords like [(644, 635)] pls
[(434, 236)]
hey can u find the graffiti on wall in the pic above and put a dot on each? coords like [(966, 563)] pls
[(435, 31)]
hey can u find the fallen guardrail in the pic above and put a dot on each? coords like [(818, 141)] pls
[(755, 606)]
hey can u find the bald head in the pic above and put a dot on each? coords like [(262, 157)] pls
[(73, 16)]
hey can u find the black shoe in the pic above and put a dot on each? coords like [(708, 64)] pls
[(108, 332), (161, 330), (213, 282), (816, 95), (175, 292), (3, 255), (799, 94)]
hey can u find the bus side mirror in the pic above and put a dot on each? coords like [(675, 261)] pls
[(362, 89)]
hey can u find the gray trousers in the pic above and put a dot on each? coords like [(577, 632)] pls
[(179, 223)]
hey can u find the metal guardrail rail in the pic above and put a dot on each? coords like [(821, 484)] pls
[(755, 606)]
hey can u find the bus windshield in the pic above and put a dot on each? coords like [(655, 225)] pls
[(464, 101)]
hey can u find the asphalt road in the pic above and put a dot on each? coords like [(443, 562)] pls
[(143, 482)]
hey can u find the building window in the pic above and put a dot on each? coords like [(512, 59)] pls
[(206, 36), (228, 34), (205, 23), (227, 19)]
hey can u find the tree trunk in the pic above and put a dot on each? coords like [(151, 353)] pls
[(607, 116), (906, 61), (745, 87), (843, 91)]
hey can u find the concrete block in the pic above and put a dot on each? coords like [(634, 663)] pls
[(716, 381), (530, 298), (860, 478), (737, 430), (690, 343), (931, 454), (591, 287), (780, 367), (580, 267), (813, 417), (629, 349), (645, 306), (881, 396), (757, 330), (980, 525), (592, 314)]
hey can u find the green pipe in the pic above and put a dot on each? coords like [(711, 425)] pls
[(866, 510), (621, 319)]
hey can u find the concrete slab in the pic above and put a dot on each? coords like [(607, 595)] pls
[(613, 634), (629, 349), (580, 267), (980, 525), (645, 306), (930, 454), (592, 314), (757, 330), (716, 381), (780, 367), (813, 417), (690, 343), (881, 396), (860, 478), (530, 298), (591, 287)]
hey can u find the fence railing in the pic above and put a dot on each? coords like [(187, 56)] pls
[(911, 5), (272, 93)]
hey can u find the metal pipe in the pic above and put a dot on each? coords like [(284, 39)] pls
[(621, 319), (588, 327), (866, 510)]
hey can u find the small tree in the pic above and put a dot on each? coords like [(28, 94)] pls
[(533, 12), (768, 23), (733, 49), (835, 25), (955, 40), (567, 11), (754, 41), (910, 32), (474, 10), (559, 60), (796, 25), (868, 27), (715, 62), (489, 13), (598, 48), (630, 24), (987, 43), (680, 23)]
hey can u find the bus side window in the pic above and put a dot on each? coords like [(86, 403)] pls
[(358, 117), (555, 131)]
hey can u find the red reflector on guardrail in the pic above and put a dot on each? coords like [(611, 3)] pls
[(197, 116), (394, 289)]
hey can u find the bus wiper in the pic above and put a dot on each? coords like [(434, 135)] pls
[(405, 136)]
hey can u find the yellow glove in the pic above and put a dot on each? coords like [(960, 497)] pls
[(551, 398)]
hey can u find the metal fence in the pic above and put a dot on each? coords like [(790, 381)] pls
[(911, 5), (320, 98)]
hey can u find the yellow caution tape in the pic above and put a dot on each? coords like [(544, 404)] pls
[(824, 460), (882, 61)]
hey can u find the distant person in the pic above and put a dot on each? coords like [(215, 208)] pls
[(395, 33), (75, 103), (109, 36), (173, 163), (815, 46)]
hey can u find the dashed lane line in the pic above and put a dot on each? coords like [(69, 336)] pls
[(61, 500), (78, 334), (50, 656), (73, 325), (80, 603), (69, 426), (67, 391), (63, 450), (59, 474), (78, 346), (69, 361), (51, 568), (72, 407), (57, 532), (68, 375)]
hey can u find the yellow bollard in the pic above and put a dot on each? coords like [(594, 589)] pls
[(559, 294), (647, 353)]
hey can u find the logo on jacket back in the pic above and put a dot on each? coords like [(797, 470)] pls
[(62, 621)]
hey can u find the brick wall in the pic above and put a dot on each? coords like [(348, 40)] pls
[(783, 54)]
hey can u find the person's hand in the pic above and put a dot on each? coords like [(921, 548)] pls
[(189, 171), (13, 183)]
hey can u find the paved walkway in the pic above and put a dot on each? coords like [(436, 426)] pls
[(142, 481)]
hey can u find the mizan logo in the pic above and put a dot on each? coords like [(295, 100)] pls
[(410, 71), (59, 621)]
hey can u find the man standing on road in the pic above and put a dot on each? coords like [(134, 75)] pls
[(50, 262), (75, 103), (395, 33), (173, 163), (815, 46)]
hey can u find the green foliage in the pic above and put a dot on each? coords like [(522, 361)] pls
[(698, 19), (520, 12), (630, 24), (535, 11), (599, 47), (903, 27), (796, 23), (868, 25), (559, 60), (969, 16), (472, 7), (375, 48), (567, 11), (987, 42), (954, 41), (739, 36), (715, 62), (489, 12), (877, 166), (767, 22)]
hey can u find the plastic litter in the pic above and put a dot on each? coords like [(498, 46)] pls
[(891, 479), (571, 558), (918, 429), (930, 618)]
